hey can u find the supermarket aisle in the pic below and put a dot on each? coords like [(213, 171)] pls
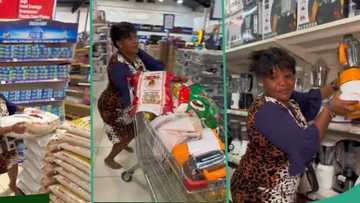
[(108, 185)]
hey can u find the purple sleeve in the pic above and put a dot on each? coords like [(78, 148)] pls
[(118, 77), (300, 145), (150, 63), (309, 102), (10, 106)]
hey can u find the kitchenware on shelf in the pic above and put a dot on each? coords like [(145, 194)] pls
[(349, 80), (246, 82), (234, 91), (245, 100), (319, 74), (345, 167)]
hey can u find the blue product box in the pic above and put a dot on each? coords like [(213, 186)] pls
[(33, 94), (17, 96), (5, 94)]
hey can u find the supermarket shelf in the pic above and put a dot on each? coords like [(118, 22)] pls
[(237, 112), (78, 77), (82, 65), (40, 101), (35, 61), (308, 44), (75, 110), (86, 84), (32, 81), (346, 128)]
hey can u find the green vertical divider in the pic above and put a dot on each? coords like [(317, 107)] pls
[(91, 107), (223, 48)]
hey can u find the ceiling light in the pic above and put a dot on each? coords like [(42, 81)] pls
[(179, 1)]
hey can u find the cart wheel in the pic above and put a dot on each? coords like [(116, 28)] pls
[(126, 176)]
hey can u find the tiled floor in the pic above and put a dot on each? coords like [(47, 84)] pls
[(108, 185)]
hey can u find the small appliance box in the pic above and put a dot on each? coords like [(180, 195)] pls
[(317, 12), (279, 17), (244, 27)]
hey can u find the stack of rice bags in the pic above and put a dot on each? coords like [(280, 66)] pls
[(67, 163), (39, 128)]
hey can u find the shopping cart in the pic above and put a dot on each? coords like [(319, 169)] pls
[(162, 174)]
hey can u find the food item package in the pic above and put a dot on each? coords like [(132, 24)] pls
[(73, 187), (85, 152), (66, 194), (152, 92), (79, 127), (38, 123), (75, 160)]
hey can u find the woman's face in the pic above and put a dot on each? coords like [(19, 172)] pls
[(129, 45), (280, 85)]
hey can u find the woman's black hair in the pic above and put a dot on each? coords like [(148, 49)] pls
[(120, 31), (264, 62)]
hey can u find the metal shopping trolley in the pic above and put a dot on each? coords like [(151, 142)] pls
[(162, 174)]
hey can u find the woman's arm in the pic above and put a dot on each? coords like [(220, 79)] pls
[(150, 63), (327, 91), (335, 106), (5, 130), (118, 76)]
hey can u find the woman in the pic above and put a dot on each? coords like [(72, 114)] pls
[(8, 154), (115, 103), (281, 140)]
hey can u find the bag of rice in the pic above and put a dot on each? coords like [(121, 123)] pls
[(85, 152), (55, 199), (66, 195), (30, 183), (79, 127), (75, 140), (82, 175), (152, 92), (73, 187), (75, 160), (78, 181)]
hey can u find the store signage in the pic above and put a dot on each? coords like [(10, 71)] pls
[(36, 9), (169, 21), (160, 28), (9, 9), (38, 31)]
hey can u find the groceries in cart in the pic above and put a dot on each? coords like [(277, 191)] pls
[(184, 120), (202, 161)]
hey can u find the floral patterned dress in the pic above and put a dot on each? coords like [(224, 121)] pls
[(118, 123), (264, 172)]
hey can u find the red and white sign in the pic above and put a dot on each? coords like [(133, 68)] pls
[(35, 9), (9, 9)]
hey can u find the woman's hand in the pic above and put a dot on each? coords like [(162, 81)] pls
[(341, 107), (18, 128)]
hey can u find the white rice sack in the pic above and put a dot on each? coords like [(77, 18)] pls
[(75, 140), (30, 183), (79, 127), (82, 175), (73, 187), (75, 179), (37, 150), (65, 194), (30, 167), (48, 169), (47, 181), (55, 199), (23, 187), (77, 161), (85, 152), (38, 123)]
